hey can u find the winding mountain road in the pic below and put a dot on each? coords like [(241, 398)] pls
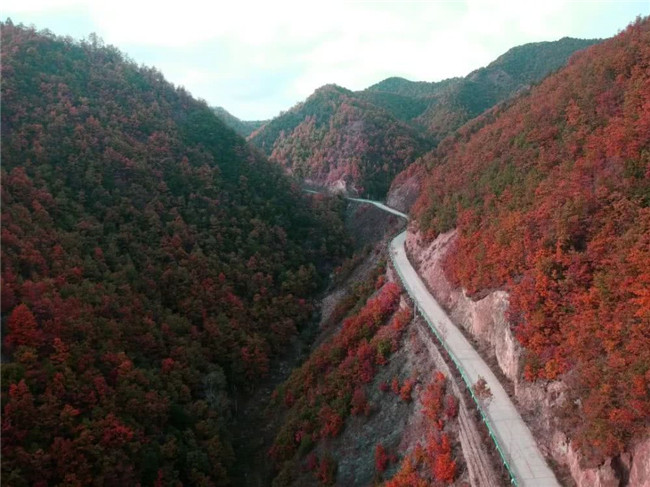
[(382, 206), (514, 440), (372, 202)]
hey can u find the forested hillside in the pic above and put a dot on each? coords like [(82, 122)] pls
[(242, 127), (152, 264), (551, 196), (337, 139), (442, 107)]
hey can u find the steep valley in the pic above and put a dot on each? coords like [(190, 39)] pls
[(178, 309)]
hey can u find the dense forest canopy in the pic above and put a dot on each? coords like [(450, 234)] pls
[(152, 263), (551, 196)]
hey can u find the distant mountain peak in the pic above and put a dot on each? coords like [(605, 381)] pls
[(330, 88)]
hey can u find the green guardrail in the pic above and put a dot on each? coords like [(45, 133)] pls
[(459, 367)]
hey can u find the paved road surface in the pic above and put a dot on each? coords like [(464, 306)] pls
[(380, 205), (372, 202)]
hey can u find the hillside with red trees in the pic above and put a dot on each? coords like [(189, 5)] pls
[(331, 397), (151, 264), (551, 196), (331, 384), (335, 136)]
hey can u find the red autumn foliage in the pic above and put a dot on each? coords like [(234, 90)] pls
[(394, 385), (326, 470), (406, 389), (312, 462), (444, 467), (550, 197), (332, 422), (115, 434), (432, 398), (381, 280), (359, 403), (451, 406), (23, 329), (337, 135), (381, 458), (481, 389), (408, 476), (434, 461)]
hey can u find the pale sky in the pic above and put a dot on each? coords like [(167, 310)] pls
[(258, 58)]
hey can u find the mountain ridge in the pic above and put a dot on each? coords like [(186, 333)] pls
[(454, 101), (338, 140)]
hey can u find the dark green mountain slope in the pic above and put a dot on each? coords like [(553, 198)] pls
[(412, 89), (452, 102), (242, 127)]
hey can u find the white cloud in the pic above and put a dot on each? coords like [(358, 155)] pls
[(257, 58)]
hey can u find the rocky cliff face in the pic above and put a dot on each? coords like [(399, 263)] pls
[(640, 465), (485, 320), (405, 189)]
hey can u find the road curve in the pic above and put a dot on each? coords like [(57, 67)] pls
[(372, 202), (380, 205), (515, 443)]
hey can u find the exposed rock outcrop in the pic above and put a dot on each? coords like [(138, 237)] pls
[(405, 189), (640, 465), (484, 319)]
